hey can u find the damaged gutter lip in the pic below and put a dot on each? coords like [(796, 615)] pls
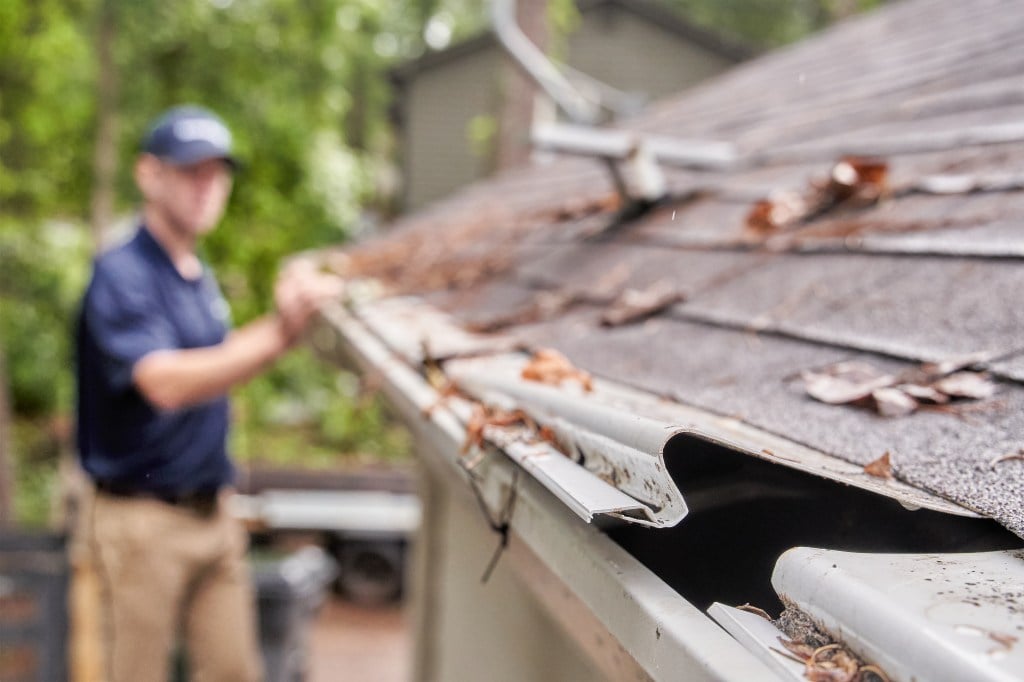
[(609, 415), (623, 448), (583, 492)]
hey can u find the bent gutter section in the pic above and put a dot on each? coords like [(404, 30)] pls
[(603, 427), (668, 637), (633, 444)]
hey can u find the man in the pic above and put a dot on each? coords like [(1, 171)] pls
[(155, 361)]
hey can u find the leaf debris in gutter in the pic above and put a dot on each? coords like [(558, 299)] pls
[(824, 659), (548, 366), (486, 416), (897, 395)]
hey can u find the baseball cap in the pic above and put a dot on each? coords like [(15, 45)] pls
[(185, 135)]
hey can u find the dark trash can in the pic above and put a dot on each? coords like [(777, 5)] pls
[(289, 591), (34, 578), (371, 571)]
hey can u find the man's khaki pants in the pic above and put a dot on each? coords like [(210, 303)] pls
[(164, 571)]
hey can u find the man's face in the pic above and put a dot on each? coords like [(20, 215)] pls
[(191, 198)]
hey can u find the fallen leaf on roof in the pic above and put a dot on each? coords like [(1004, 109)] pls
[(862, 181), (782, 210), (852, 182), (1006, 458), (880, 468), (933, 370), (845, 382), (548, 366), (892, 402), (634, 305), (964, 384), (924, 394), (896, 395)]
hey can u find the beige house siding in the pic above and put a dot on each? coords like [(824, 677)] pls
[(634, 55), (439, 101), (468, 630)]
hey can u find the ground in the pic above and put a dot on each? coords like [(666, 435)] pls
[(366, 643)]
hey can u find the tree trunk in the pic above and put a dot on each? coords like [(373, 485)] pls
[(519, 91), (105, 152), (6, 451)]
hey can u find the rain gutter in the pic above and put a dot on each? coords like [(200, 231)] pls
[(603, 429), (664, 635)]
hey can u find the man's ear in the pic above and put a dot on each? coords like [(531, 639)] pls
[(147, 172)]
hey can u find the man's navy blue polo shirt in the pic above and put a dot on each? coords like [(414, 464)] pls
[(137, 303)]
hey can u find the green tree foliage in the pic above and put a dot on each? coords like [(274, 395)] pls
[(768, 23)]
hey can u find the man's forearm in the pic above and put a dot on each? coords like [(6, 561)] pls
[(174, 379)]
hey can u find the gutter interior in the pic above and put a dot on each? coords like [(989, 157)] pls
[(745, 512)]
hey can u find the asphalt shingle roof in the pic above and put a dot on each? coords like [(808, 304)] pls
[(933, 88)]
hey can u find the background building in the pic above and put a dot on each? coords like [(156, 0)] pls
[(448, 103)]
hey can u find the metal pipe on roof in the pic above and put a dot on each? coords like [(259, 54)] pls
[(578, 106)]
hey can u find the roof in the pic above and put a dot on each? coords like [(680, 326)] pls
[(648, 10), (927, 270)]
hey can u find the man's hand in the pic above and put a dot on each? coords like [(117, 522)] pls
[(300, 291)]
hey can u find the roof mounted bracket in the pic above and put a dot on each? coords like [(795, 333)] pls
[(585, 102), (641, 155)]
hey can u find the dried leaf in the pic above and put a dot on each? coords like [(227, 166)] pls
[(475, 429), (858, 181), (484, 416), (633, 305), (892, 402), (1006, 458), (924, 394), (866, 673), (880, 468), (832, 663), (844, 382), (1007, 641), (755, 610), (551, 367), (782, 210), (853, 181), (547, 435), (799, 649), (967, 385), (941, 368)]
